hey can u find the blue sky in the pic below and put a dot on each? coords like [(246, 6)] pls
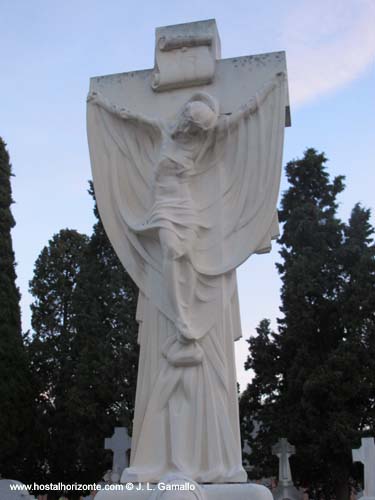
[(50, 50)]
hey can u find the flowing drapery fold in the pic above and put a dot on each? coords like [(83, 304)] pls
[(233, 186)]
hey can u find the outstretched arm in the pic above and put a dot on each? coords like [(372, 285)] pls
[(102, 101), (253, 104)]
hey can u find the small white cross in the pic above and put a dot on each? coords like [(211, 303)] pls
[(366, 455), (283, 450), (119, 443)]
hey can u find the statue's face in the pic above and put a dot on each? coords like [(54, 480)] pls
[(196, 116)]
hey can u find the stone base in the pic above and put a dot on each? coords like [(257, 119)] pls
[(288, 491), (145, 491)]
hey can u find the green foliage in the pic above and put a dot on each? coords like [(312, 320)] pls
[(84, 353), (15, 391), (259, 400), (314, 378), (51, 348)]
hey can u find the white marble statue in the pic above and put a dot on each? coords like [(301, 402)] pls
[(184, 201)]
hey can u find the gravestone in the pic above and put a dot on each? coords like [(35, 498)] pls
[(366, 455), (119, 443), (186, 161), (285, 488)]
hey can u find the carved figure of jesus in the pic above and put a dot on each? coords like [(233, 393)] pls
[(185, 202)]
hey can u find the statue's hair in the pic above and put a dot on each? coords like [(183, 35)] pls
[(207, 99), (204, 98)]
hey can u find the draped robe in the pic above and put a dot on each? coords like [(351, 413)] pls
[(186, 417)]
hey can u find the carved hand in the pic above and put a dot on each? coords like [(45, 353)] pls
[(269, 87), (92, 97), (124, 113), (281, 75), (183, 332), (250, 107), (97, 98)]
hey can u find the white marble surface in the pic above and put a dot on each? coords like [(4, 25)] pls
[(119, 444), (283, 450), (185, 55), (6, 493), (366, 455), (186, 193)]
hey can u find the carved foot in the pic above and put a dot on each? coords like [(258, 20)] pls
[(182, 354)]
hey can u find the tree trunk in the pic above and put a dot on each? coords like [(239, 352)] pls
[(341, 487)]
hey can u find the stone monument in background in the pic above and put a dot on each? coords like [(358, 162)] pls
[(119, 444), (186, 161), (366, 455), (285, 488)]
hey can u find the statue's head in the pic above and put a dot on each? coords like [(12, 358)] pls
[(200, 112)]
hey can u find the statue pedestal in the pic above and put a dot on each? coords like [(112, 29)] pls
[(239, 491), (287, 491)]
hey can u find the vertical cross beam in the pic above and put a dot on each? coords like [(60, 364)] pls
[(283, 450), (119, 443), (366, 455)]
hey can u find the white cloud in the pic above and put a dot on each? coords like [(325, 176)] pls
[(329, 43)]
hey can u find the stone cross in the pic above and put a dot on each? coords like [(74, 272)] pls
[(187, 56), (366, 455), (187, 119), (283, 450), (119, 443)]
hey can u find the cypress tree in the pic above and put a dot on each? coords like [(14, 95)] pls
[(317, 384), (311, 331), (52, 354), (259, 402), (15, 391), (357, 304)]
